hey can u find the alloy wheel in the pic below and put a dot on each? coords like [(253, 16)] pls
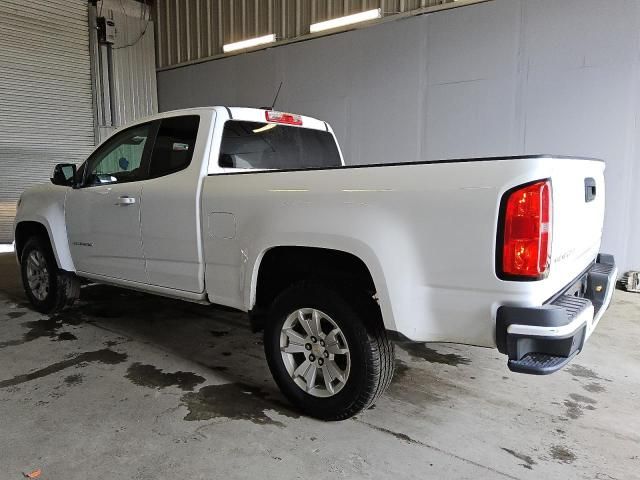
[(315, 352)]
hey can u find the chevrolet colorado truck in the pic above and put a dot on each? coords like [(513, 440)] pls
[(256, 210)]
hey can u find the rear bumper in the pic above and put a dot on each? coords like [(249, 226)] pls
[(542, 340)]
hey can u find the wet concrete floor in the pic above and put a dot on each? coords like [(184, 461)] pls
[(128, 385)]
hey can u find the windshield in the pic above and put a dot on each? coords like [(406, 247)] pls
[(256, 145)]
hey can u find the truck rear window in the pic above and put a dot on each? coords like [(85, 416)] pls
[(256, 145)]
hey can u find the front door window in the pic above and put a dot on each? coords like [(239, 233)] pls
[(120, 160)]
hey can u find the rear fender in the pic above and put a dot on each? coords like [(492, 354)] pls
[(347, 245)]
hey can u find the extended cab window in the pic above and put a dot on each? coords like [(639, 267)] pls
[(173, 148), (120, 159), (255, 145)]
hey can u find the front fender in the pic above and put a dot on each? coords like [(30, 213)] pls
[(44, 204)]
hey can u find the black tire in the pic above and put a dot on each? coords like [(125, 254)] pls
[(63, 287), (372, 353)]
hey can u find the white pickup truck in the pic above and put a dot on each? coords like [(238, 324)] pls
[(255, 209)]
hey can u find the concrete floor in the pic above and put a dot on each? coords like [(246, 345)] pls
[(127, 385)]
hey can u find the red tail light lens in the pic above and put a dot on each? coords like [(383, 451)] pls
[(281, 117), (527, 232)]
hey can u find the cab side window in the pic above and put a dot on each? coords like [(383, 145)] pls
[(121, 159), (173, 148)]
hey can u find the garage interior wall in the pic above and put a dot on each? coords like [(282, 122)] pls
[(132, 93), (55, 81), (506, 77), (197, 29), (46, 110)]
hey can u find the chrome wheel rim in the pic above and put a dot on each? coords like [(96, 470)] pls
[(315, 352), (38, 275)]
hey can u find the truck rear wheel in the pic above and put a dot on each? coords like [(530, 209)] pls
[(48, 288), (330, 356)]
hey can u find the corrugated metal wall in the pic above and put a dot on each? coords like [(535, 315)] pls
[(134, 92), (189, 30), (46, 110)]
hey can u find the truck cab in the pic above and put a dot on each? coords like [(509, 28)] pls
[(133, 216)]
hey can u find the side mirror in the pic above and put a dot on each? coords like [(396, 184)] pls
[(64, 174)]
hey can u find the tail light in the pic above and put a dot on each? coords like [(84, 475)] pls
[(282, 117), (526, 237)]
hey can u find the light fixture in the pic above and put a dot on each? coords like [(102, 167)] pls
[(283, 117), (348, 20), (250, 42)]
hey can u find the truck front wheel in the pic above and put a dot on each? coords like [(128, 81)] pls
[(48, 288), (329, 355)]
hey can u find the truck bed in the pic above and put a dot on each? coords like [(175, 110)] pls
[(427, 232)]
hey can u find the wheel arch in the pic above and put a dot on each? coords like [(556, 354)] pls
[(26, 229), (45, 205), (280, 266)]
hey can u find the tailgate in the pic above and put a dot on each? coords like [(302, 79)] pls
[(578, 215)]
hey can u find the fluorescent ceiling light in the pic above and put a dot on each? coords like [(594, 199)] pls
[(250, 42), (348, 20)]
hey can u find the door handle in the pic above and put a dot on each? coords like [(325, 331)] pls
[(124, 201), (589, 189)]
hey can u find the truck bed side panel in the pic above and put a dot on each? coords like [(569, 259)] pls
[(427, 232)]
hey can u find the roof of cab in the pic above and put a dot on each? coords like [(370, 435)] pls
[(240, 113), (236, 113)]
